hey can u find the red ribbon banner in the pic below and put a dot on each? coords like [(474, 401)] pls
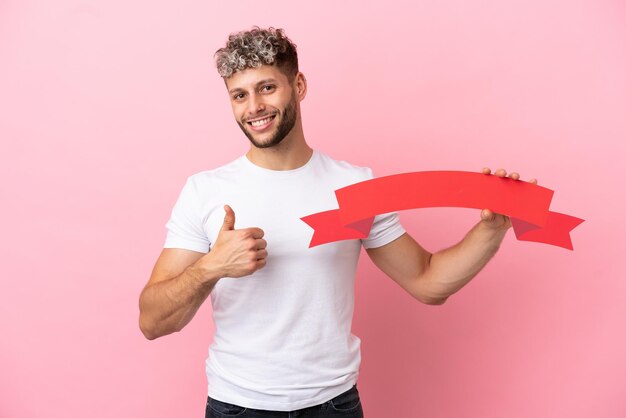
[(525, 203)]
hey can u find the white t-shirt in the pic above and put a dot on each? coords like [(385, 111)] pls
[(283, 336)]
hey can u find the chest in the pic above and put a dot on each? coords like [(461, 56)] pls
[(276, 209)]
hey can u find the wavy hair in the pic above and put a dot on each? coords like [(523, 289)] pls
[(256, 47)]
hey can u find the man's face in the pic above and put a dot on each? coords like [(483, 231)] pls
[(264, 104)]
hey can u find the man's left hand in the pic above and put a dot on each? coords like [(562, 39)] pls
[(496, 220)]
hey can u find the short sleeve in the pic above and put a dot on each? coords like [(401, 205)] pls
[(185, 228), (386, 227)]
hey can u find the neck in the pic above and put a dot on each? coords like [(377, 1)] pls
[(292, 152)]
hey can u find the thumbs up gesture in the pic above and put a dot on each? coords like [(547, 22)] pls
[(237, 252)]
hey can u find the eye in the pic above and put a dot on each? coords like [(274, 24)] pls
[(268, 88), (238, 96)]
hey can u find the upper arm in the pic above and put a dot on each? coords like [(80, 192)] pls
[(171, 263), (405, 261)]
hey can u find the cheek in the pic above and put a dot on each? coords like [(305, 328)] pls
[(237, 113)]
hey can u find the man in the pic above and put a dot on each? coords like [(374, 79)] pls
[(282, 310)]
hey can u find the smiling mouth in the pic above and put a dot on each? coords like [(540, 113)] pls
[(258, 123)]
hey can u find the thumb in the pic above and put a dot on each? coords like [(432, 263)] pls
[(229, 219), (487, 215)]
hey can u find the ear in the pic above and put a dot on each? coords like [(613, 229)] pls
[(300, 86)]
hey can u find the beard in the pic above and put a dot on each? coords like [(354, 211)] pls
[(286, 124)]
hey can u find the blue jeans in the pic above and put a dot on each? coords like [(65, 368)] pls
[(347, 405)]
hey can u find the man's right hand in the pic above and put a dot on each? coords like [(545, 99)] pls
[(236, 252), (182, 279)]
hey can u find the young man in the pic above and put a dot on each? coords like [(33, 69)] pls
[(282, 310)]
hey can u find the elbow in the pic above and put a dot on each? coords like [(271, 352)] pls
[(424, 292), (436, 301), (144, 325), (147, 331), (431, 300), (148, 326), (153, 330), (428, 297), (149, 336)]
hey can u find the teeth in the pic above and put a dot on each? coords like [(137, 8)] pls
[(261, 122)]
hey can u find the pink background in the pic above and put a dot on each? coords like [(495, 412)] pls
[(106, 108)]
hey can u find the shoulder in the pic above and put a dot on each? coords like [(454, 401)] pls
[(344, 168), (225, 173)]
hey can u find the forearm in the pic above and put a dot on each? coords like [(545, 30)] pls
[(167, 306), (451, 269)]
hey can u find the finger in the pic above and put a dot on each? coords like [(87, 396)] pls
[(261, 263), (514, 176), (261, 244), (533, 181), (486, 170), (500, 172), (256, 233), (261, 254), (229, 219)]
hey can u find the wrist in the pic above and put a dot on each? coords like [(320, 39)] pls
[(205, 273), (490, 234)]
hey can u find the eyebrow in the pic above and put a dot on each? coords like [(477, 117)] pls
[(266, 80)]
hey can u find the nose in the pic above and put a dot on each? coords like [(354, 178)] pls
[(255, 104)]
